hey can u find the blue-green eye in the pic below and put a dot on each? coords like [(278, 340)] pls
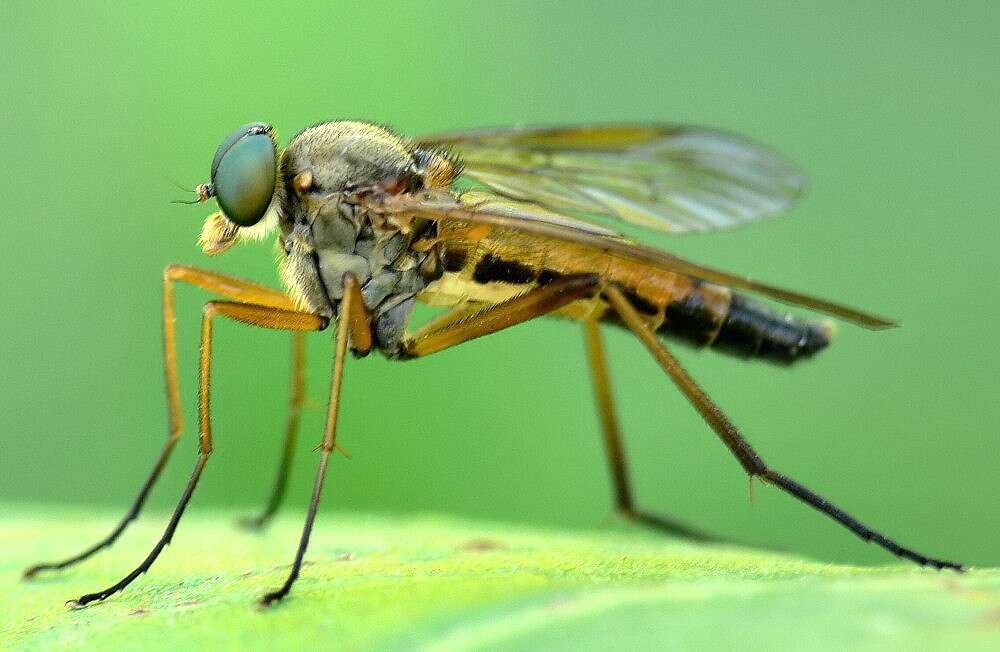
[(244, 173)]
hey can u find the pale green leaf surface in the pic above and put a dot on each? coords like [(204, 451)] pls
[(444, 584)]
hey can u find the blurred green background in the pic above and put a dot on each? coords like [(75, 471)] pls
[(891, 109)]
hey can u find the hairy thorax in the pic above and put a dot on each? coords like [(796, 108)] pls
[(322, 237)]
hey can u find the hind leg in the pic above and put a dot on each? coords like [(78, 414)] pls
[(740, 447)]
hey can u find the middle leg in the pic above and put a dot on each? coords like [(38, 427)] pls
[(297, 398), (354, 328), (614, 448)]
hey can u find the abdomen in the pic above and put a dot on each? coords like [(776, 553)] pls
[(676, 306), (741, 326)]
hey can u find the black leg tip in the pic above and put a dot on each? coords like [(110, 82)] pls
[(936, 564), (29, 573), (271, 599), (951, 565), (84, 600)]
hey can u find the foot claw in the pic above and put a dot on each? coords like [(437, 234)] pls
[(85, 600), (941, 565), (268, 600)]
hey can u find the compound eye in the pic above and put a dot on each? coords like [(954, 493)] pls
[(244, 173)]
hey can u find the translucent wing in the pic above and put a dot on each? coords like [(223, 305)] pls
[(442, 206), (498, 205), (668, 178)]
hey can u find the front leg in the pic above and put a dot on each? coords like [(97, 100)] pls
[(255, 315), (228, 286)]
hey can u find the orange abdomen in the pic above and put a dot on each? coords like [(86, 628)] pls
[(503, 264)]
